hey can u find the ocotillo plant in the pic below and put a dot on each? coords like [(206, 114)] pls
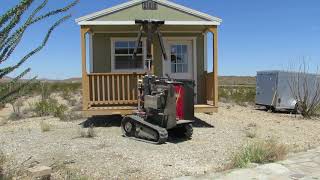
[(11, 32)]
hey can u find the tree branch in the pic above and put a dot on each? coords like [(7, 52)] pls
[(7, 70)]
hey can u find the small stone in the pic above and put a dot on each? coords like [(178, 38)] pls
[(296, 176), (253, 165), (39, 171)]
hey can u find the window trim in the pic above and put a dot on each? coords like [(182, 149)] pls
[(176, 63), (144, 55)]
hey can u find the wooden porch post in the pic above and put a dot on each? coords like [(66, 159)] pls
[(85, 80), (215, 88)]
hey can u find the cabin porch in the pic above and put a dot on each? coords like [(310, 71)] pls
[(116, 92)]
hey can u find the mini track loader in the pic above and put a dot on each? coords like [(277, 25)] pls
[(163, 103)]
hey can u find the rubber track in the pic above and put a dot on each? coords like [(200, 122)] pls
[(163, 133)]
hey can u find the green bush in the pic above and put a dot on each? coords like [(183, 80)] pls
[(259, 152), (66, 94), (50, 107)]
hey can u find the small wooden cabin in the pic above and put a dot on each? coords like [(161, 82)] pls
[(109, 74)]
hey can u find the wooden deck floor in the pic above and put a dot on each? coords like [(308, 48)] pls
[(125, 110)]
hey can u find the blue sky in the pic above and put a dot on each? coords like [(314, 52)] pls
[(255, 35)]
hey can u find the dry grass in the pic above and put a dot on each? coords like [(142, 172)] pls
[(45, 127), (251, 130), (259, 152), (251, 133), (2, 161), (87, 133)]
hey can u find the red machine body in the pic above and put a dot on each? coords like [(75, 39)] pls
[(180, 101)]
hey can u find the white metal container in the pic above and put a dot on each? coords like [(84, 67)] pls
[(277, 89)]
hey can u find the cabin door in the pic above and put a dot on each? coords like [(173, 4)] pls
[(180, 59)]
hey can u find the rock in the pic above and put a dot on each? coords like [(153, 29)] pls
[(273, 168), (253, 165), (42, 172)]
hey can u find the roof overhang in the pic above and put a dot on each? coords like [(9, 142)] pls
[(89, 19), (108, 23)]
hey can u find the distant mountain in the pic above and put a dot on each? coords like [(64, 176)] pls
[(69, 80)]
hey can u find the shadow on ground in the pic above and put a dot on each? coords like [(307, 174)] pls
[(115, 121), (198, 123), (284, 111), (103, 121)]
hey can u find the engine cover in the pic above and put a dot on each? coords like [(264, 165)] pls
[(153, 102)]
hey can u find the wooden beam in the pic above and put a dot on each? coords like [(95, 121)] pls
[(214, 31), (203, 108), (85, 80)]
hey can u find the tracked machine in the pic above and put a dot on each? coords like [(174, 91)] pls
[(163, 106)]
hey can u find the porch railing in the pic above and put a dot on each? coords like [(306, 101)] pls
[(113, 88)]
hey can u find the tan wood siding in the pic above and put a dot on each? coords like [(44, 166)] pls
[(136, 12)]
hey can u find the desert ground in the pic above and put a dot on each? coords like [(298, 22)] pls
[(109, 155)]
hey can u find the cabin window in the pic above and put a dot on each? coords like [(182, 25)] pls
[(123, 55), (179, 58)]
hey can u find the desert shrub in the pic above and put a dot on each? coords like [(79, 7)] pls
[(45, 107), (45, 91), (305, 88), (66, 94), (259, 152), (17, 112), (237, 94), (45, 127), (59, 111), (50, 107)]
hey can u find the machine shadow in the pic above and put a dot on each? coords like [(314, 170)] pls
[(175, 139), (198, 123), (103, 121), (292, 112)]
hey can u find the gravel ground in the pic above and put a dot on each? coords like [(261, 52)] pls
[(111, 156)]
